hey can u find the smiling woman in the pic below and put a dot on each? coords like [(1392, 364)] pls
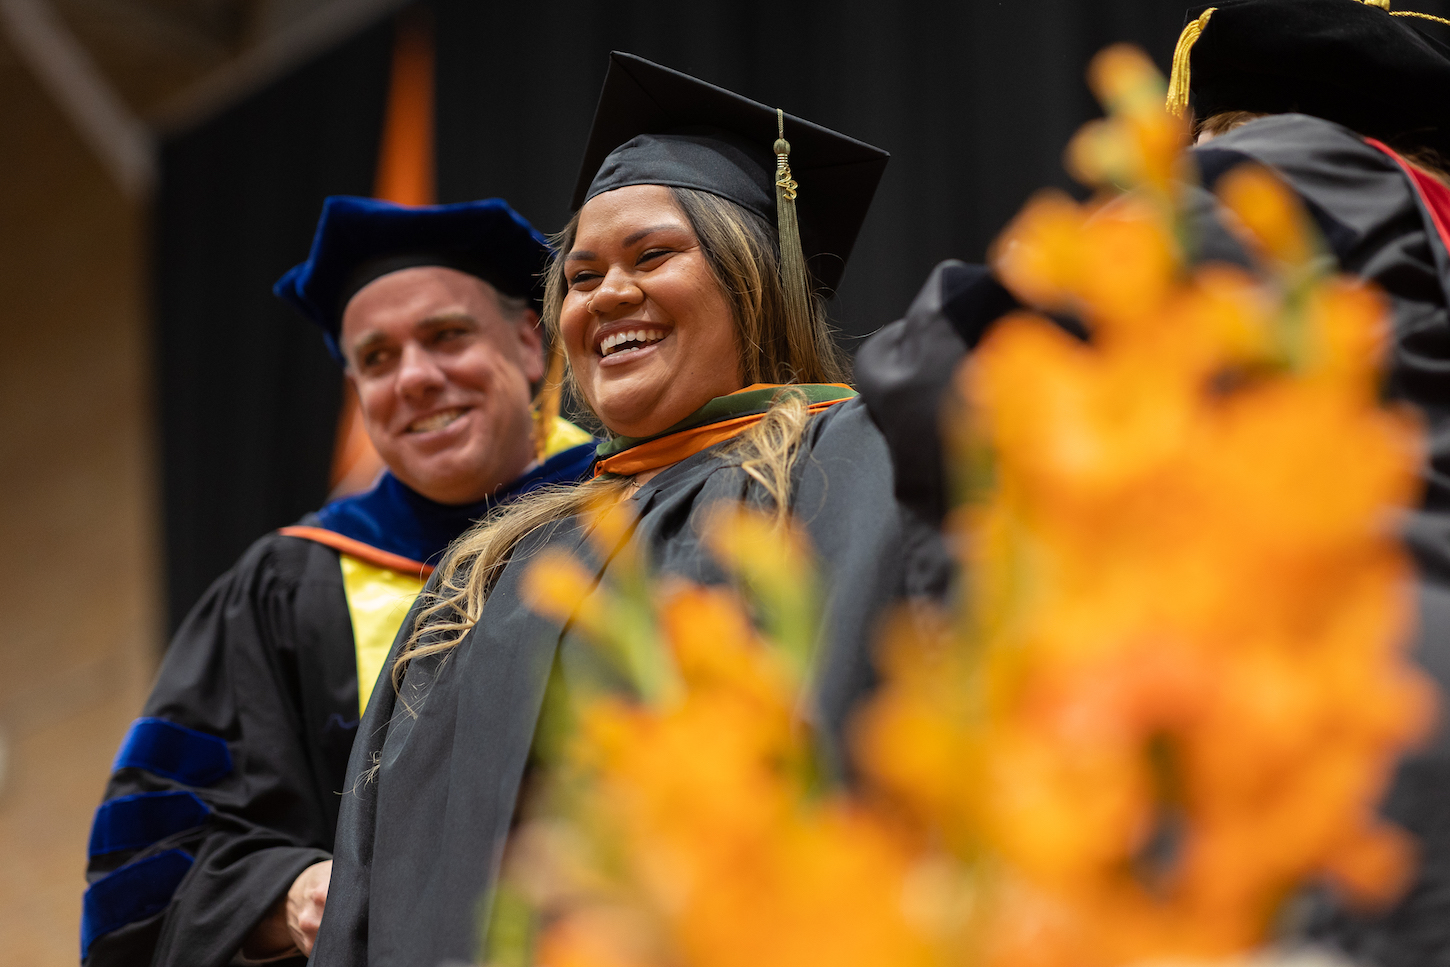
[(660, 320), (685, 299), (643, 317)]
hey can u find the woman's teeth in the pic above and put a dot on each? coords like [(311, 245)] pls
[(437, 421), (629, 339)]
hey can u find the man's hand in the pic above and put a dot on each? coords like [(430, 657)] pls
[(292, 923), (305, 902)]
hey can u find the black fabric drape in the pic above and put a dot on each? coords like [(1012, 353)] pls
[(247, 396), (975, 101)]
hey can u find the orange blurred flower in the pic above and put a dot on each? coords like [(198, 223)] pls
[(1268, 216), (558, 586), (1139, 143), (717, 839)]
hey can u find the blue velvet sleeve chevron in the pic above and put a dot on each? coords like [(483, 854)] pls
[(174, 751), (222, 789), (144, 887), (137, 821), (134, 892)]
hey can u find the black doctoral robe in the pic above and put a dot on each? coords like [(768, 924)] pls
[(1378, 229), (228, 785), (229, 782), (418, 849)]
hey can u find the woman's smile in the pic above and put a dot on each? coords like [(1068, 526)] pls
[(618, 342)]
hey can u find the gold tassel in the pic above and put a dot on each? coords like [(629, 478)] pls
[(1178, 81), (792, 260), (1385, 6), (1422, 16), (546, 406)]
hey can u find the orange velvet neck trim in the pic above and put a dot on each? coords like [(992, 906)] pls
[(673, 447)]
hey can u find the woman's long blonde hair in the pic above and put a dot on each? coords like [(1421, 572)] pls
[(775, 346)]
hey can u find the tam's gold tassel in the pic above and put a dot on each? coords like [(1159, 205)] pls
[(793, 277), (1416, 13), (546, 406), (1178, 81), (1385, 6)]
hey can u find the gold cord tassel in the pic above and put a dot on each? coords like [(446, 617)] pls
[(792, 260), (1385, 6), (1422, 16), (1178, 81), (546, 406)]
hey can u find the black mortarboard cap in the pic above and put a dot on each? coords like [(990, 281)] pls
[(657, 126), (1357, 64), (361, 239)]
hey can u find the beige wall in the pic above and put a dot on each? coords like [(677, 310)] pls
[(80, 618), (78, 578)]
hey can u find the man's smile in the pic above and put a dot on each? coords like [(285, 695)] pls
[(436, 421)]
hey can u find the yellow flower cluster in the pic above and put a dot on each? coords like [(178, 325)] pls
[(1170, 691), (1176, 681)]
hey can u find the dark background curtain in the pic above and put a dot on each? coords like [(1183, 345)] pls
[(975, 100), (247, 396)]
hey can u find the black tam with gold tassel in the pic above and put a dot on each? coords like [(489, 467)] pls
[(657, 126), (1378, 67)]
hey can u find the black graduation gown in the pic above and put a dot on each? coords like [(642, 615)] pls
[(1378, 229), (228, 784), (418, 849)]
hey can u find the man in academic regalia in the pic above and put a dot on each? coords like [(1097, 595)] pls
[(1346, 101), (212, 845)]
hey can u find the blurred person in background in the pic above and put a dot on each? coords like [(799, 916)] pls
[(213, 843), (1346, 102)]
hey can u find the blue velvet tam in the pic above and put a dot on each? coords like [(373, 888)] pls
[(359, 240)]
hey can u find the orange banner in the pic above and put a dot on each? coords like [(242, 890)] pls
[(405, 176)]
